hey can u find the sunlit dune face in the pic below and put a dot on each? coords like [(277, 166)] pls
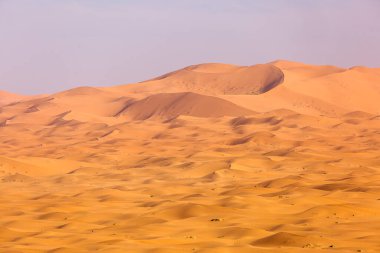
[(275, 182), (160, 167), (97, 43), (124, 129)]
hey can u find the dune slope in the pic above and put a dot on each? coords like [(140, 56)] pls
[(171, 105), (308, 89), (7, 98), (185, 163), (215, 79)]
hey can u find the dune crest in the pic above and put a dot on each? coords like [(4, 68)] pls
[(304, 88), (210, 158), (215, 79)]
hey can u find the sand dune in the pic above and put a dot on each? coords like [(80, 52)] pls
[(146, 186), (308, 89), (210, 158), (353, 89), (316, 90), (214, 79), (224, 79), (7, 98), (172, 105)]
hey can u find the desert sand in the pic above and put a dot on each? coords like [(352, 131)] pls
[(277, 157), (7, 97)]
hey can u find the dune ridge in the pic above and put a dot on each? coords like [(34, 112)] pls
[(174, 165), (304, 88), (215, 79)]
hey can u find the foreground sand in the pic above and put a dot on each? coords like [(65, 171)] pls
[(269, 182)]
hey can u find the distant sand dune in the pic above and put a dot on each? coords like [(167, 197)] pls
[(274, 158), (219, 79), (171, 105)]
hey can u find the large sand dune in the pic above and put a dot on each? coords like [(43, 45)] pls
[(308, 89), (215, 79), (172, 105), (281, 157)]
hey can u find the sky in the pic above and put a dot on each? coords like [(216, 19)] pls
[(52, 45)]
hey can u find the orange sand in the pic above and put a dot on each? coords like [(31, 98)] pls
[(170, 166)]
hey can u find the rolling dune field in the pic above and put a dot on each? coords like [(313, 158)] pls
[(274, 158)]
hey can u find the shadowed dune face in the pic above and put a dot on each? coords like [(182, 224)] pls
[(142, 169), (307, 89), (172, 105)]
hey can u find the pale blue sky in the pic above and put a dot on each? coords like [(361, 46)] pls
[(52, 45)]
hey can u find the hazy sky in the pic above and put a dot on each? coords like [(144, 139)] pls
[(52, 45)]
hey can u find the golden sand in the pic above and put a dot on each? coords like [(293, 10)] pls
[(80, 171)]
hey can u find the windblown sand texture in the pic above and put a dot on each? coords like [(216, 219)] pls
[(279, 157)]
